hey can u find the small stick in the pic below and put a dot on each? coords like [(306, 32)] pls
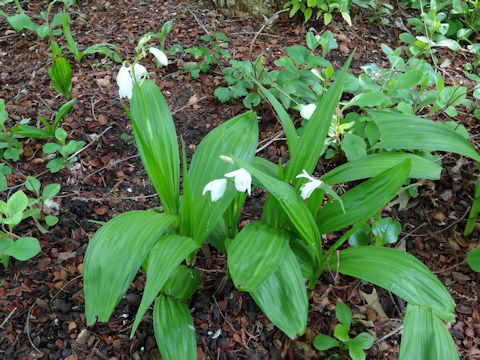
[(268, 22), (28, 328), (8, 317), (224, 318), (277, 136), (391, 333), (90, 143), (64, 286), (198, 21)]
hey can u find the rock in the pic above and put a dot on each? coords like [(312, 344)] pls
[(82, 338)]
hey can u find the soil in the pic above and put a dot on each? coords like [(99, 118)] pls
[(41, 300)]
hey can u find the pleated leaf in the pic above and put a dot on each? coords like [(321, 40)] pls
[(169, 251), (283, 298), (364, 200), (174, 330), (372, 165), (291, 203), (402, 131), (156, 140), (398, 272), (236, 137), (255, 254), (114, 256), (425, 336), (311, 144)]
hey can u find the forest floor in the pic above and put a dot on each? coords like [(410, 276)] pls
[(41, 300)]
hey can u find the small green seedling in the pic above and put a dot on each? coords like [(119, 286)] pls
[(42, 207), (343, 341), (382, 231), (11, 213), (64, 149)]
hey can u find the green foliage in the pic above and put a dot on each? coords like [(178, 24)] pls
[(322, 7), (210, 54), (43, 207), (473, 259), (379, 8), (342, 340), (382, 231), (65, 150)]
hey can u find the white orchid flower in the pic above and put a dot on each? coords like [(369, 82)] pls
[(140, 72), (125, 83), (243, 180), (216, 187), (160, 55), (306, 111), (307, 189)]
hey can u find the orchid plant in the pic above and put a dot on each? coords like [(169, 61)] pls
[(270, 258)]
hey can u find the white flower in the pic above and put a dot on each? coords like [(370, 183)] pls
[(160, 55), (307, 188), (317, 37), (216, 187), (306, 111), (140, 72), (243, 180), (125, 83)]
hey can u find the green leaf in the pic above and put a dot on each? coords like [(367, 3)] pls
[(299, 54), (5, 243), (183, 283), (55, 165), (64, 109), (31, 131), (255, 254), (310, 39), (410, 132), (174, 330), (21, 21), (425, 336), (291, 203), (386, 230), (32, 184), (398, 272), (473, 259), (51, 220), (23, 249), (380, 189), (61, 75), (344, 314), (236, 137), (114, 256), (361, 236), (72, 45), (363, 341), (50, 190), (311, 144), (371, 99), (283, 298), (223, 94), (169, 251), (355, 352), (17, 203), (374, 164), (50, 148), (353, 146), (157, 144), (325, 342), (341, 333)]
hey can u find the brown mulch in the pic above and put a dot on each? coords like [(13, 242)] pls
[(41, 300)]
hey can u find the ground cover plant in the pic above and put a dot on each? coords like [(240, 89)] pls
[(246, 245)]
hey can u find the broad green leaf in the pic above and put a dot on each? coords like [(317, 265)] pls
[(363, 200), (31, 131), (5, 243), (236, 137), (50, 190), (386, 230), (354, 147), (374, 164), (17, 203), (21, 21), (343, 314), (114, 256), (363, 341), (283, 298), (291, 203), (61, 75), (473, 259), (425, 336), (298, 53), (325, 342), (361, 236), (51, 220), (255, 254), (183, 282), (23, 249), (410, 132), (371, 99), (64, 109), (169, 251), (398, 272), (174, 330), (156, 140), (265, 166), (341, 333), (311, 144), (356, 353)]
